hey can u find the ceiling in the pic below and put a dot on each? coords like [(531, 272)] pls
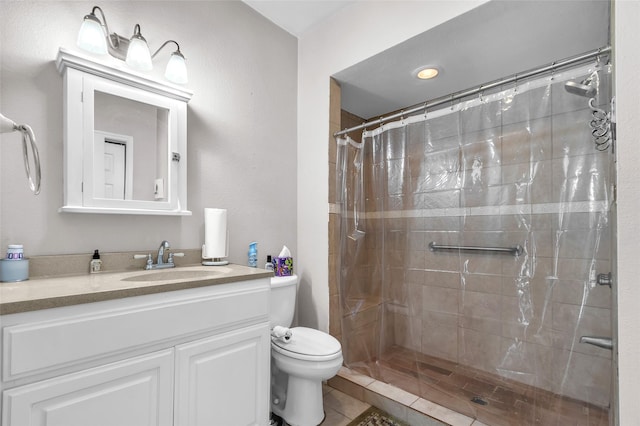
[(495, 40), (296, 16)]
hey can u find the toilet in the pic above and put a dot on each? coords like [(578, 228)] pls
[(299, 363)]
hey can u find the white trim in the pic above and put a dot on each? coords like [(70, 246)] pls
[(107, 210), (515, 209)]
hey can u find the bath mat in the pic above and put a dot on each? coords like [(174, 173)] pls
[(376, 417)]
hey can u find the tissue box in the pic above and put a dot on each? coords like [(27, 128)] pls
[(283, 266)]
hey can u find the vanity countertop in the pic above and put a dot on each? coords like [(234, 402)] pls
[(53, 292)]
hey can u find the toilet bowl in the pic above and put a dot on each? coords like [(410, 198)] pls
[(310, 357), (299, 364)]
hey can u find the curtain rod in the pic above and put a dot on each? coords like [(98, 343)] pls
[(475, 90)]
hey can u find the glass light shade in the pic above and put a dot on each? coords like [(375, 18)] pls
[(91, 36), (176, 71), (138, 55)]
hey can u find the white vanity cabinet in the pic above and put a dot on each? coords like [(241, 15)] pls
[(189, 357)]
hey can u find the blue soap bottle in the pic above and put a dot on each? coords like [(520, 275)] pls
[(253, 254)]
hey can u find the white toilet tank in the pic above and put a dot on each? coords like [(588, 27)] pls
[(283, 300)]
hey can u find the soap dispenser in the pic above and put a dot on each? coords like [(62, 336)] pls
[(269, 265), (96, 263), (253, 254)]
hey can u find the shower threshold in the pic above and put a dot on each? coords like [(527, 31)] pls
[(490, 399)]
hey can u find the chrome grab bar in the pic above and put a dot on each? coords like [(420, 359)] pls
[(516, 251)]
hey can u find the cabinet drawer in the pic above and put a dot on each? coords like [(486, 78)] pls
[(72, 337), (138, 391)]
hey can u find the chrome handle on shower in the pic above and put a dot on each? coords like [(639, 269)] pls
[(601, 342), (604, 279)]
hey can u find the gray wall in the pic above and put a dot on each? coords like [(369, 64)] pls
[(241, 126)]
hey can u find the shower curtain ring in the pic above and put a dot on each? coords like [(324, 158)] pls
[(452, 102), (598, 58)]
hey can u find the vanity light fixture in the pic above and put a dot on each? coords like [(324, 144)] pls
[(94, 37), (427, 73), (176, 71), (138, 55), (91, 35)]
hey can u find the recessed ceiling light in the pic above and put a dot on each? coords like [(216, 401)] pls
[(427, 73)]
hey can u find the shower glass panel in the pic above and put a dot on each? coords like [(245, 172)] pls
[(492, 335)]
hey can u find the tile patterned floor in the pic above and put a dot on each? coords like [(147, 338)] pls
[(340, 408), (501, 402)]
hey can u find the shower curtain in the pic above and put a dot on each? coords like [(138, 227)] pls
[(519, 169)]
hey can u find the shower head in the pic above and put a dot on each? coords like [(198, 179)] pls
[(581, 89)]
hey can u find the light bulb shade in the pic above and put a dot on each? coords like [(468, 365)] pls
[(176, 71), (138, 55), (91, 36)]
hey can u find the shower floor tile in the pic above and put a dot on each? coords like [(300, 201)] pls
[(488, 398)]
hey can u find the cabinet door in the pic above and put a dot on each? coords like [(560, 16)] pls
[(134, 392), (224, 380)]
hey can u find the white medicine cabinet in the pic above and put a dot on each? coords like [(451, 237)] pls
[(125, 140)]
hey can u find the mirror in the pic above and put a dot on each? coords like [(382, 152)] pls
[(131, 149), (125, 140)]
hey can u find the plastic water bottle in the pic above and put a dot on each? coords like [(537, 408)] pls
[(253, 254)]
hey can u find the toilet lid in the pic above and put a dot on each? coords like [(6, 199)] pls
[(307, 341)]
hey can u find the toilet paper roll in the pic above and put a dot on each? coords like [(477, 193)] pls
[(215, 233), (282, 333)]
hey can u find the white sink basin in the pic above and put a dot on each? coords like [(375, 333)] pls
[(173, 274)]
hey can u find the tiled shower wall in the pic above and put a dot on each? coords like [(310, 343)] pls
[(473, 309), (469, 309)]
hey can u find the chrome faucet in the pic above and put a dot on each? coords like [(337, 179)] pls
[(161, 264)]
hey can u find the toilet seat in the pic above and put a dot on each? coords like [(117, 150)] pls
[(309, 345)]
